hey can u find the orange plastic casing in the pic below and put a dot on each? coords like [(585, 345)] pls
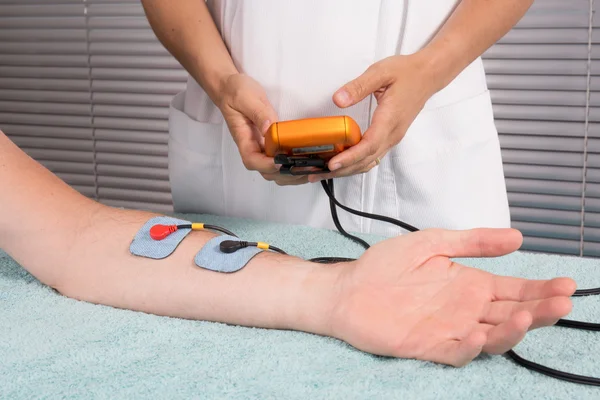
[(324, 137)]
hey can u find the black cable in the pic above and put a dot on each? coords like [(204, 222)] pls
[(211, 227), (389, 220), (331, 260), (276, 249), (551, 372), (328, 186), (554, 373), (231, 246)]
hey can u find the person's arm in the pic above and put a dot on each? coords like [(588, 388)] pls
[(473, 28), (403, 84), (81, 248), (186, 29), (188, 32), (403, 298)]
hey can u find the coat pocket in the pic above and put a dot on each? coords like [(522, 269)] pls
[(195, 162), (448, 171)]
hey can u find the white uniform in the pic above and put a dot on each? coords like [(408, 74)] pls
[(447, 171)]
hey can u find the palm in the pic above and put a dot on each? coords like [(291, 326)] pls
[(422, 305)]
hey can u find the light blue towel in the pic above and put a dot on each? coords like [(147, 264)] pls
[(55, 347)]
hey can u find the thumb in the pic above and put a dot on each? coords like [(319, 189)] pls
[(261, 113), (481, 242), (354, 91)]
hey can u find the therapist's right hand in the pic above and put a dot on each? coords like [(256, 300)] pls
[(248, 113)]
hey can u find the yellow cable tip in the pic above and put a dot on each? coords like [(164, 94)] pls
[(197, 226), (262, 245)]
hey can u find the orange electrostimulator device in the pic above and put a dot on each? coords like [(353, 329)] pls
[(304, 146)]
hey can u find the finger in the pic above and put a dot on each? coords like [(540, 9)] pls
[(299, 181), (285, 180), (457, 352), (374, 78), (481, 242), (255, 160), (260, 112), (544, 312), (503, 337), (372, 144), (519, 289), (349, 171)]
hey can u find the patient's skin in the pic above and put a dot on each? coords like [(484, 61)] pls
[(402, 298)]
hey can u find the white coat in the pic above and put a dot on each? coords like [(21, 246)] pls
[(446, 172)]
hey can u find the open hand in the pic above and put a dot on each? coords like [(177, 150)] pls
[(401, 85), (406, 298), (249, 114)]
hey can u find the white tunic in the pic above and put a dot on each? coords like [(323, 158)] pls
[(446, 172)]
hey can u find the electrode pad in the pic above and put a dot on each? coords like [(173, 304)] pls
[(144, 246), (212, 258)]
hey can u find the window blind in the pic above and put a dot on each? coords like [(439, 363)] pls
[(541, 78), (133, 79), (45, 104), (85, 87)]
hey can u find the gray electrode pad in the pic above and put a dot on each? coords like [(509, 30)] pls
[(212, 258), (144, 246)]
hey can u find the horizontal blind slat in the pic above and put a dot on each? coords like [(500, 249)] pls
[(156, 100), (134, 183), (558, 217), (131, 123), (543, 172), (66, 132), (47, 60), (135, 160), (548, 230), (545, 187), (54, 143), (554, 144), (33, 108), (554, 128), (128, 171), (44, 119), (142, 196), (54, 96), (535, 67), (125, 111), (543, 201), (132, 136), (152, 149), (136, 87), (542, 158)]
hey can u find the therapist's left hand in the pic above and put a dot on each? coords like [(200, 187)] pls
[(401, 85)]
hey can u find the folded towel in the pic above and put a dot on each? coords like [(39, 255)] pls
[(55, 347)]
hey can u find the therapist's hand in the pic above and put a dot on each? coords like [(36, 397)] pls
[(406, 298), (401, 85), (249, 114)]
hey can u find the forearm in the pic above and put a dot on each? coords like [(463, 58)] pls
[(473, 27), (81, 248), (186, 29)]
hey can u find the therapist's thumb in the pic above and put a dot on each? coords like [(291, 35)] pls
[(354, 91), (262, 114)]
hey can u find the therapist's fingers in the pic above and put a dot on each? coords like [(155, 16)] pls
[(256, 109), (244, 136), (374, 78), (285, 180), (374, 144), (258, 161), (360, 168)]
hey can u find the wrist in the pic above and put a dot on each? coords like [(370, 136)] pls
[(214, 81), (437, 66), (315, 299)]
